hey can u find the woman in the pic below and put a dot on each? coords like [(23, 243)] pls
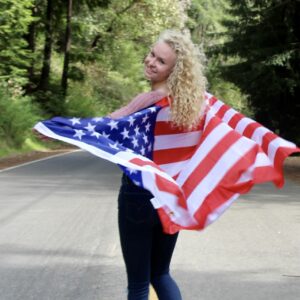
[(174, 70)]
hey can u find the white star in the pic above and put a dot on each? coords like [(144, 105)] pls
[(114, 146), (152, 109), (90, 127), (105, 134), (131, 120), (143, 150), (136, 130), (125, 133), (149, 147), (79, 133), (134, 142), (148, 125), (96, 134), (131, 171), (145, 119), (145, 138), (113, 124), (75, 121), (98, 119), (136, 182)]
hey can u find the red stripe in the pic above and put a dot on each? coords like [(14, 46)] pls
[(213, 100), (162, 127), (267, 139), (235, 119), (167, 156), (248, 131), (227, 187), (209, 162), (222, 110), (142, 163)]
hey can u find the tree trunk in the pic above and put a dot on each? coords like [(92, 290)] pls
[(64, 78), (30, 38), (45, 74)]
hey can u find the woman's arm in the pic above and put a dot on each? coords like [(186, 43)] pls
[(140, 101)]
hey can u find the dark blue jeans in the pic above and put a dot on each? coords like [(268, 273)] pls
[(147, 251)]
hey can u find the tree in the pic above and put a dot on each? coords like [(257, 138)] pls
[(15, 17), (263, 60)]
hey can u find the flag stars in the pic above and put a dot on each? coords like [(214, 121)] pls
[(75, 121), (136, 130), (90, 127), (135, 142), (98, 119), (96, 134), (145, 138), (125, 133), (147, 127), (105, 135), (114, 146), (131, 120), (152, 109), (143, 150), (113, 124), (131, 171), (145, 119), (78, 133), (149, 147)]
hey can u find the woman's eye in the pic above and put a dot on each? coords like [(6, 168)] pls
[(162, 61)]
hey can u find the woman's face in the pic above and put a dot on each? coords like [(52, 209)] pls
[(159, 63)]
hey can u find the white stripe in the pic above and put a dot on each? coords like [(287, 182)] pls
[(216, 174), (179, 140), (174, 168), (262, 160), (242, 124), (212, 217), (208, 144), (163, 114), (229, 114), (168, 201), (259, 133), (275, 144), (216, 106)]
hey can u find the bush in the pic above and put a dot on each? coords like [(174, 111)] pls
[(18, 115)]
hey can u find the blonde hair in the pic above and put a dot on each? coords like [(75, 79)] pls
[(186, 83)]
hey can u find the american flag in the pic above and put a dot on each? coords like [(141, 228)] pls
[(194, 176)]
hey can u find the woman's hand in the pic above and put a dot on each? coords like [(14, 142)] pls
[(41, 136)]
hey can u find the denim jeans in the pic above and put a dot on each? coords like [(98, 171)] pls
[(147, 251)]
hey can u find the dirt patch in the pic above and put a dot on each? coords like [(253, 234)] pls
[(291, 164)]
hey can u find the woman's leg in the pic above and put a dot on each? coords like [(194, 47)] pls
[(162, 250), (135, 228)]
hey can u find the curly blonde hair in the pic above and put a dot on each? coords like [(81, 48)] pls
[(187, 82)]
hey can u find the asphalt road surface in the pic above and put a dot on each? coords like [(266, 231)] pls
[(59, 238)]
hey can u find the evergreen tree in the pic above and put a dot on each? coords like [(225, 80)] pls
[(263, 60)]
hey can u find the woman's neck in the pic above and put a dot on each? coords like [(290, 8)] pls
[(160, 87)]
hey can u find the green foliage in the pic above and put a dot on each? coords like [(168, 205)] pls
[(15, 17), (263, 60), (18, 115)]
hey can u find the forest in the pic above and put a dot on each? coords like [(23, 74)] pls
[(84, 58)]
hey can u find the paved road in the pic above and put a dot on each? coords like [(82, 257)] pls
[(59, 240)]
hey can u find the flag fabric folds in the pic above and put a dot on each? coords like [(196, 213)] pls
[(195, 175)]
